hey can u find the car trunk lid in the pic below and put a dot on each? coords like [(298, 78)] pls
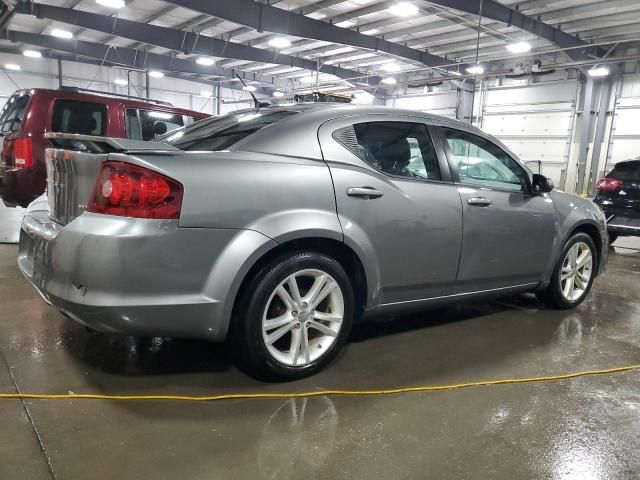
[(72, 168)]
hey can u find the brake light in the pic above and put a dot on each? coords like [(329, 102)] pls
[(22, 152), (128, 190), (608, 184)]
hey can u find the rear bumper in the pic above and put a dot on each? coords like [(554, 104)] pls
[(133, 276)]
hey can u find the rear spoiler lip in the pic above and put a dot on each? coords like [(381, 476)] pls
[(114, 145)]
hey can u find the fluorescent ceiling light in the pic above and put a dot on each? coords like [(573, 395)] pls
[(599, 71), (206, 93), (455, 72), (121, 81), (111, 3), (519, 47), (307, 79), (345, 24), (476, 70), (278, 94), (32, 53), (156, 74), (12, 66), (56, 32), (249, 88), (206, 61), (280, 42), (404, 9), (390, 67), (389, 81)]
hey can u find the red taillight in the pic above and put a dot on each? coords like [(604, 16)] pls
[(131, 191), (22, 152), (608, 184)]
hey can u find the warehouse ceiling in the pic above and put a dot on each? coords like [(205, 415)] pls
[(340, 44)]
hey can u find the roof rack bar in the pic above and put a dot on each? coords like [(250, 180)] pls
[(109, 94)]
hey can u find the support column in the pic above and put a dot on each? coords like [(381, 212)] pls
[(466, 92), (148, 88), (59, 72), (592, 128)]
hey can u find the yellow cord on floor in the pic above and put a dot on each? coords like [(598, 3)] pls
[(230, 396)]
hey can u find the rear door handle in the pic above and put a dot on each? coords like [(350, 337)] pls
[(479, 202), (364, 192)]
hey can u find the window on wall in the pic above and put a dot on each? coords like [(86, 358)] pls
[(150, 124), (482, 163), (73, 116), (401, 149)]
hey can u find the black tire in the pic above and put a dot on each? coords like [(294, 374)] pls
[(553, 296), (612, 237), (246, 334)]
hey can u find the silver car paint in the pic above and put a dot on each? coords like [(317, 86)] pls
[(181, 277)]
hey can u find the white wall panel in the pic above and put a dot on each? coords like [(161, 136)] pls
[(440, 103)]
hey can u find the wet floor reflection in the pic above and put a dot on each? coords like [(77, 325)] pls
[(298, 438)]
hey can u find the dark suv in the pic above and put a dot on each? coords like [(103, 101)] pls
[(618, 194), (28, 114)]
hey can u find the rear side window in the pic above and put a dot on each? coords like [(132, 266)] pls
[(401, 149), (220, 133), (626, 171), (13, 112), (150, 124), (72, 116)]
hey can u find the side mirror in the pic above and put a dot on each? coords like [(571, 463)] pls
[(542, 184)]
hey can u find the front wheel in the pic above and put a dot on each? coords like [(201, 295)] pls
[(573, 275), (294, 316)]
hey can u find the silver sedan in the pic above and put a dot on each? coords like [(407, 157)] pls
[(275, 228)]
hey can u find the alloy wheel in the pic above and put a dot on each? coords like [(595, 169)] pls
[(303, 317), (577, 269)]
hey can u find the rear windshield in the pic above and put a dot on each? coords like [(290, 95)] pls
[(13, 112), (220, 133), (626, 171), (73, 116)]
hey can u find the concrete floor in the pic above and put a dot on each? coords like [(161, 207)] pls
[(587, 428)]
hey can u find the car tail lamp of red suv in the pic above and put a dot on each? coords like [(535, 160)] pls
[(128, 190), (608, 184), (20, 150)]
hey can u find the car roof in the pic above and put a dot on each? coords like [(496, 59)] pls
[(107, 97)]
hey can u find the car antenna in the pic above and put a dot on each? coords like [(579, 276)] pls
[(256, 102)]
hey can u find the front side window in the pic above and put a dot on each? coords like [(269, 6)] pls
[(482, 163), (73, 116), (150, 124), (402, 149)]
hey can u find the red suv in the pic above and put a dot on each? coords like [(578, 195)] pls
[(28, 114)]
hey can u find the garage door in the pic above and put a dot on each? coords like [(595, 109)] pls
[(535, 129), (625, 137)]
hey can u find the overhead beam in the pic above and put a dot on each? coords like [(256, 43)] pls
[(265, 18), (178, 40), (501, 13), (128, 57)]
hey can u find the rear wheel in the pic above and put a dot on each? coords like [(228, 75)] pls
[(573, 275), (294, 317)]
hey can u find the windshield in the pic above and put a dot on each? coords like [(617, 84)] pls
[(220, 133), (13, 112)]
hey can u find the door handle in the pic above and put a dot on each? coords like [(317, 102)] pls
[(364, 192), (479, 202)]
